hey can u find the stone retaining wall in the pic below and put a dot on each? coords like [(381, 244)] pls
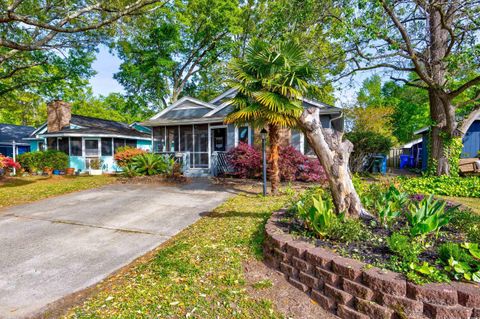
[(351, 290)]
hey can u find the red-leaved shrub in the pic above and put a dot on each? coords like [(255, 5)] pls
[(246, 162)]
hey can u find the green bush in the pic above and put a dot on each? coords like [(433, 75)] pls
[(148, 164), (34, 161), (453, 250), (442, 185), (347, 230)]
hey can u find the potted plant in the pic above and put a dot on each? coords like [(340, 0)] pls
[(96, 166), (47, 170), (70, 171)]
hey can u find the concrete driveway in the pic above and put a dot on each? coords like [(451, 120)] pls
[(55, 247)]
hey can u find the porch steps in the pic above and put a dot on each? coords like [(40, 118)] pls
[(197, 172)]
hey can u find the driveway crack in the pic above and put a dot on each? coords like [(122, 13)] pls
[(75, 223)]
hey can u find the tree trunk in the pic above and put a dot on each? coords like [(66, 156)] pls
[(274, 139), (333, 153), (438, 154), (442, 111)]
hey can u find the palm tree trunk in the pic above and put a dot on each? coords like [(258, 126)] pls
[(274, 137)]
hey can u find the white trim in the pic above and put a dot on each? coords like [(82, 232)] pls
[(97, 135), (302, 143), (218, 109), (221, 96), (420, 131), (179, 102), (209, 147), (44, 125)]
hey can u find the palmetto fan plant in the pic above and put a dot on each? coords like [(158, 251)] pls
[(271, 81)]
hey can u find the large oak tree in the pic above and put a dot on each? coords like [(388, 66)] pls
[(436, 41)]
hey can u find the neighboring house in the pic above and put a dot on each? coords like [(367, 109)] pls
[(471, 142), (196, 131), (86, 138), (13, 134)]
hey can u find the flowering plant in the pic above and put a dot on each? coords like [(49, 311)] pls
[(8, 162), (125, 155)]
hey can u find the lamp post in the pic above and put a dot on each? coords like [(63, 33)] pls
[(263, 133)]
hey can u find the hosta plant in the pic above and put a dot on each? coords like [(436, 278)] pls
[(390, 205), (427, 216), (319, 216)]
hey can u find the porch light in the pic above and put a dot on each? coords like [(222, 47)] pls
[(263, 133)]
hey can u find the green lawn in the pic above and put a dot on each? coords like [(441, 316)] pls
[(470, 202), (21, 190), (197, 274)]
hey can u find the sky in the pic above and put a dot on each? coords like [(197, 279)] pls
[(106, 65)]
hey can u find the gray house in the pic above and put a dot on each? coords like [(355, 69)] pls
[(195, 130)]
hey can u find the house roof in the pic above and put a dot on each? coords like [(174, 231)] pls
[(411, 143), (85, 125), (10, 132), (189, 110)]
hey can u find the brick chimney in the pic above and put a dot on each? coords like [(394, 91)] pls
[(59, 114)]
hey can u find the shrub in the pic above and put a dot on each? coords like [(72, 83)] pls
[(124, 155), (31, 161), (53, 159), (318, 216), (8, 163), (347, 230), (34, 161), (442, 185), (246, 161), (152, 164), (390, 204), (365, 144)]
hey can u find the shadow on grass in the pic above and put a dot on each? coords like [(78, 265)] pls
[(19, 182)]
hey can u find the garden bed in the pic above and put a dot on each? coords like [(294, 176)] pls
[(153, 179), (351, 288)]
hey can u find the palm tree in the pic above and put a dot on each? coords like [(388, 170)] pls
[(270, 80)]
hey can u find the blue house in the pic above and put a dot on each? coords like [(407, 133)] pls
[(195, 130), (86, 138), (14, 134), (471, 142)]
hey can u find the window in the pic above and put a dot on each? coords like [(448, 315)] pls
[(243, 134), (107, 147), (159, 138), (131, 143), (118, 142), (41, 146), (51, 143), (75, 146), (186, 138), (91, 148), (172, 138), (63, 145)]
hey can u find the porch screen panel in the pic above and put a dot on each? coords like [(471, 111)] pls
[(186, 138), (118, 142), (75, 146), (63, 145), (131, 143), (159, 139), (172, 139), (200, 159), (52, 143), (91, 148), (107, 147)]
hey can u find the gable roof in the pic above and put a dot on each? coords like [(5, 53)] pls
[(183, 112), (86, 125), (10, 132)]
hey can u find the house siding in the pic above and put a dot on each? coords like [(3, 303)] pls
[(471, 141)]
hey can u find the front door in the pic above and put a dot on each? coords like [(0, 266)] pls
[(219, 139)]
